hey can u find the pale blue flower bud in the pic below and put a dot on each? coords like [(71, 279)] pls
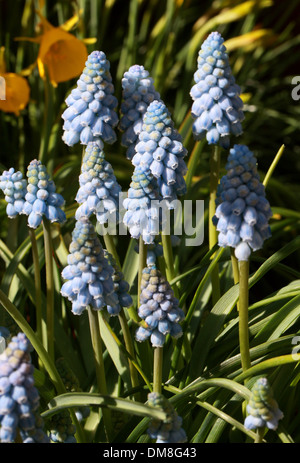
[(91, 112), (217, 104)]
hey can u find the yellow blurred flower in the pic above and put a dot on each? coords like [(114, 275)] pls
[(61, 54), (15, 90)]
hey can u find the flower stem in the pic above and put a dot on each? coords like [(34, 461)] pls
[(37, 282), (213, 236), (99, 365), (243, 315), (49, 286), (169, 261), (157, 369), (235, 269), (142, 264)]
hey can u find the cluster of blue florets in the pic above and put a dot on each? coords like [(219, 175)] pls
[(121, 286), (262, 408), (88, 272), (99, 190), (158, 308), (242, 212), (41, 198), (142, 217), (19, 398), (160, 149), (138, 93), (91, 113), (14, 187), (169, 431), (217, 107)]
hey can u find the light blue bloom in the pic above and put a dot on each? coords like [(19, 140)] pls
[(142, 215), (262, 409), (41, 198), (138, 93), (99, 190), (88, 273), (158, 308), (169, 431), (160, 149), (91, 112), (13, 186), (217, 106), (242, 212), (19, 398)]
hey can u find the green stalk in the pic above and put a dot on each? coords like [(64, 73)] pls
[(243, 315), (99, 365), (235, 269), (157, 369), (49, 286), (213, 235), (40, 323), (169, 261), (142, 264), (273, 165)]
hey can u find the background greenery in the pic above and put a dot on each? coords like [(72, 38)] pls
[(262, 38)]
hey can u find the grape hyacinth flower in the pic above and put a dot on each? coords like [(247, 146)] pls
[(217, 106), (13, 186), (154, 250), (169, 431), (19, 398), (142, 215), (121, 286), (262, 409), (242, 212), (99, 190), (160, 149), (61, 428), (41, 198), (158, 308), (138, 93), (88, 272), (91, 112)]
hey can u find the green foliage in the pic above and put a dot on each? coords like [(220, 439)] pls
[(202, 374)]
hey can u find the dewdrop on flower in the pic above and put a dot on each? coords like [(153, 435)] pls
[(41, 198), (99, 190), (138, 93), (242, 210), (142, 215), (160, 149), (13, 186), (169, 431), (19, 398), (88, 272), (158, 308), (262, 409), (91, 112), (217, 107)]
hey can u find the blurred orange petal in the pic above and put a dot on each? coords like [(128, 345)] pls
[(17, 93), (62, 54)]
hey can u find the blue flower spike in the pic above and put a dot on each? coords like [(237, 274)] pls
[(262, 409), (217, 106), (19, 398), (138, 93), (169, 431), (88, 273), (158, 308), (99, 190), (14, 187), (242, 210), (142, 217), (160, 149), (41, 199), (91, 112)]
